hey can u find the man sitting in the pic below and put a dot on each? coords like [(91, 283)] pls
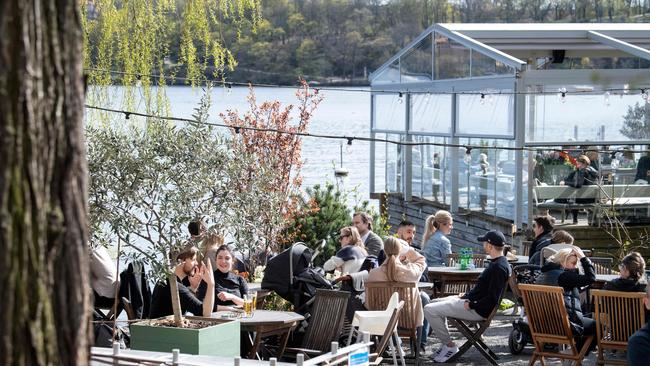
[(161, 303), (475, 305), (638, 346), (103, 277)]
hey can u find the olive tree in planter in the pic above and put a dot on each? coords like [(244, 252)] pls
[(149, 178)]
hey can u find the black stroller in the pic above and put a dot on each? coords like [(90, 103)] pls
[(520, 335), (291, 275)]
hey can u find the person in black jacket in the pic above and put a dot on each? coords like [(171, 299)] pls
[(230, 288), (478, 303), (632, 277), (638, 346), (161, 303), (584, 175), (562, 271), (543, 229)]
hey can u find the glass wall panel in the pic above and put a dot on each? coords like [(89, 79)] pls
[(431, 113), (417, 63), (380, 164), (390, 112), (430, 178), (580, 117), (394, 163), (487, 178), (390, 75), (451, 59), (486, 114), (483, 65)]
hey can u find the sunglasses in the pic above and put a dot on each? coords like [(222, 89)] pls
[(345, 236)]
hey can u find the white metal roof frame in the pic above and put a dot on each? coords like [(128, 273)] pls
[(496, 40)]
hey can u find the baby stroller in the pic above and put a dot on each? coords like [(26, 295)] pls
[(520, 335), (291, 275)]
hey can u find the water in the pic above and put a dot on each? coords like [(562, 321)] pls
[(344, 113)]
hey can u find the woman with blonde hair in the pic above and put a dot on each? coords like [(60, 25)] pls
[(435, 244), (352, 253), (562, 271), (402, 264), (211, 242)]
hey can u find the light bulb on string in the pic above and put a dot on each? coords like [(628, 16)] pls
[(606, 98), (644, 94), (427, 96), (562, 94), (468, 155), (626, 90), (482, 101), (400, 98), (228, 89), (348, 146)]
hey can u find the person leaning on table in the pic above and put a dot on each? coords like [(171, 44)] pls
[(478, 303), (638, 346)]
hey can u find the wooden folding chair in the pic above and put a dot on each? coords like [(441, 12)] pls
[(474, 335), (325, 323), (377, 296), (549, 323), (618, 315)]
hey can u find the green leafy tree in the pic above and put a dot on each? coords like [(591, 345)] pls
[(636, 122)]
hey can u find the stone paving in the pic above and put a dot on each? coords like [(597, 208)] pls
[(496, 337)]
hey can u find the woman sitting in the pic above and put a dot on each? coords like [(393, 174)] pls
[(562, 271), (632, 277), (435, 244), (351, 255), (229, 287), (402, 264)]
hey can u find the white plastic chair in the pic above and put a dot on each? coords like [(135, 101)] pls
[(375, 322)]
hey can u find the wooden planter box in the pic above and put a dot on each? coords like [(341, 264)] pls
[(220, 339)]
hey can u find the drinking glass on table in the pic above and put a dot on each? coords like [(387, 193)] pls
[(248, 306)]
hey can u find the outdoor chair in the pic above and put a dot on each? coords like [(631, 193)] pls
[(473, 330), (549, 323), (378, 295), (477, 259), (325, 323), (618, 315), (602, 265), (449, 288), (390, 336)]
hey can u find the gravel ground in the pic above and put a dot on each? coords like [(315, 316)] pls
[(496, 337)]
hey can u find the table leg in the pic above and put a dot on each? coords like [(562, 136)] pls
[(283, 342), (252, 354)]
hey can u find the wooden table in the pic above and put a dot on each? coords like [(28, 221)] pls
[(521, 259), (265, 323), (452, 275), (601, 279)]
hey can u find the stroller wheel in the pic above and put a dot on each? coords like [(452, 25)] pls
[(516, 341)]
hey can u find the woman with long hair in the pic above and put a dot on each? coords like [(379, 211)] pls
[(632, 277), (352, 253), (402, 264), (435, 244)]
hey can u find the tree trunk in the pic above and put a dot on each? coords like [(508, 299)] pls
[(43, 186), (176, 301)]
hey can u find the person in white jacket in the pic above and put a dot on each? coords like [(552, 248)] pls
[(351, 255)]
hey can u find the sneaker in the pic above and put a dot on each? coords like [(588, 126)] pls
[(446, 353), (423, 349)]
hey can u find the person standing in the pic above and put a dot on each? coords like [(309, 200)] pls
[(436, 245), (363, 222)]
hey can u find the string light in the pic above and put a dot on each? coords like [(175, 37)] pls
[(400, 98), (562, 94), (251, 84), (482, 99), (237, 129), (348, 146), (644, 94), (127, 115), (606, 98), (468, 148)]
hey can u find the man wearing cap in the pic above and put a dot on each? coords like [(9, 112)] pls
[(478, 303)]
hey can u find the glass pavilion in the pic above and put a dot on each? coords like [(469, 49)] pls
[(537, 88)]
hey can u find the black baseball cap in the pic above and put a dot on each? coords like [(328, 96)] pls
[(494, 237)]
